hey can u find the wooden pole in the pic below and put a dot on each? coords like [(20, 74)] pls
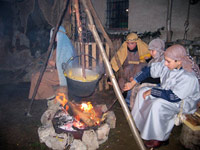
[(169, 16), (100, 26), (76, 5), (47, 57), (101, 81), (87, 58), (108, 54), (113, 79), (94, 54)]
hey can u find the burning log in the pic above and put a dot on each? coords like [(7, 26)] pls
[(82, 112), (88, 117)]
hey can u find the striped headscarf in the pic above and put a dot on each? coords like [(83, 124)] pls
[(178, 52)]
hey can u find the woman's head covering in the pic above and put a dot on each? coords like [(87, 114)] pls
[(195, 69), (178, 52), (159, 46)]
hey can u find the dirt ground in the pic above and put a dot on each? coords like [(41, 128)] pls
[(19, 132)]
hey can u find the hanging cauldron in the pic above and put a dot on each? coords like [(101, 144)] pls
[(78, 85)]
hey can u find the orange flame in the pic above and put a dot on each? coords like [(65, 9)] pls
[(61, 98), (86, 106)]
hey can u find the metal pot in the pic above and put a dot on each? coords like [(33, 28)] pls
[(80, 88)]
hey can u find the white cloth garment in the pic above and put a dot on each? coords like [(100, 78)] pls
[(154, 117), (64, 51)]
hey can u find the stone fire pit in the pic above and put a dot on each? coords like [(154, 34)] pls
[(90, 138)]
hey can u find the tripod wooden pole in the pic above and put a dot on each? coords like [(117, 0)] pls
[(80, 30), (113, 79), (47, 57)]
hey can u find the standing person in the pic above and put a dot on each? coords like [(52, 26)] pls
[(155, 108), (53, 75), (131, 57), (156, 48)]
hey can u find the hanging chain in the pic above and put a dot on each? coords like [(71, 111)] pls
[(186, 24), (87, 34), (84, 24)]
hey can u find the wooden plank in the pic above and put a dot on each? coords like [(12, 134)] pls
[(108, 53), (94, 54), (87, 53), (77, 46), (193, 122), (101, 81), (198, 112)]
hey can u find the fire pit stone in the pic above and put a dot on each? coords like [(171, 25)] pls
[(78, 145), (102, 133), (111, 119), (51, 139), (90, 139)]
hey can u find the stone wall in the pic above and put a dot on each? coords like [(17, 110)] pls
[(149, 15)]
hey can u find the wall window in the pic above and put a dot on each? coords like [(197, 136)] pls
[(117, 14)]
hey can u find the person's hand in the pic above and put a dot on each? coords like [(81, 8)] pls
[(129, 85), (146, 93), (51, 63), (110, 83), (147, 57), (131, 79)]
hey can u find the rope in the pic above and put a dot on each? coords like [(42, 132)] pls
[(186, 24), (179, 118)]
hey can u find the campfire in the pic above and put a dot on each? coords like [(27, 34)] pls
[(79, 125), (74, 117)]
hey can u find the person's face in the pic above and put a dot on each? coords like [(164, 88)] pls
[(153, 53), (172, 64), (131, 45)]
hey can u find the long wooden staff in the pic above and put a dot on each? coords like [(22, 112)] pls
[(47, 57), (100, 26), (113, 79), (76, 5)]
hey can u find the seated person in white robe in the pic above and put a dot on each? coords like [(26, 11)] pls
[(156, 48), (155, 108)]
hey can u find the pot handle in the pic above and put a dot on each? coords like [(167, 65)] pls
[(64, 65)]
